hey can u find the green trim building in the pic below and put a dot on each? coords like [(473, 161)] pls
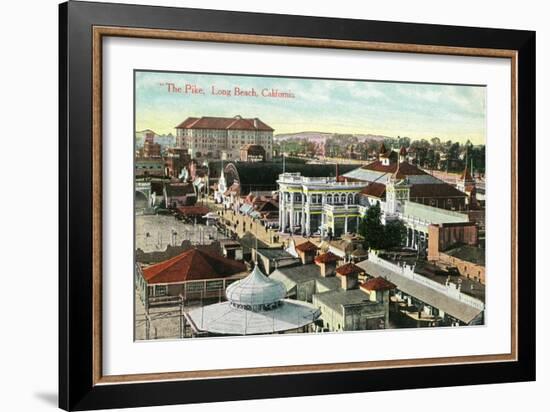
[(323, 205)]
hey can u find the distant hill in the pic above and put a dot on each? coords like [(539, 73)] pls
[(323, 136), (164, 140)]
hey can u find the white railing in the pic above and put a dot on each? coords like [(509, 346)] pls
[(450, 289), (298, 178), (414, 221), (343, 207)]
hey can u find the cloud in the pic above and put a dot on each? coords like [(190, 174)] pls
[(415, 110)]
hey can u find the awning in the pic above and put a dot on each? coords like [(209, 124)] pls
[(246, 208)]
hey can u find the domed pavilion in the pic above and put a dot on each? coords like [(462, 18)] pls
[(255, 305)]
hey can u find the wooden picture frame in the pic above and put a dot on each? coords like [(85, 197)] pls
[(82, 385)]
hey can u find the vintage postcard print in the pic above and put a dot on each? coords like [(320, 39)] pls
[(275, 205)]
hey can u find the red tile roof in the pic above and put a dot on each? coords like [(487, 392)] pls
[(405, 168), (378, 283), (223, 123), (375, 189), (307, 247), (196, 210), (348, 269), (193, 264), (403, 151), (187, 122), (328, 257)]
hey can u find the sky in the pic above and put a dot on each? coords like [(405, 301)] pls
[(450, 112)]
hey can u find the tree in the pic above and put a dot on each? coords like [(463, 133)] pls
[(371, 228), (477, 157), (395, 234)]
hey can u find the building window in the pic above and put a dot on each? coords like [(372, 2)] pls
[(161, 290), (194, 287), (214, 285)]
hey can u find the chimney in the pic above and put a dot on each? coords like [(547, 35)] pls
[(256, 122), (306, 252), (378, 289), (327, 263), (349, 275), (337, 172), (350, 281)]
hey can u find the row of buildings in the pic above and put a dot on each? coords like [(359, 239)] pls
[(233, 138), (315, 291), (314, 285), (330, 200)]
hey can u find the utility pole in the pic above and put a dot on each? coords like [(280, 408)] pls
[(182, 326), (283, 154), (147, 325)]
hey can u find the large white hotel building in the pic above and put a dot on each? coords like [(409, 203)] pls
[(223, 137)]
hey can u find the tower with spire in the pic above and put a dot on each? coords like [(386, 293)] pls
[(467, 184), (384, 154), (222, 185), (397, 191)]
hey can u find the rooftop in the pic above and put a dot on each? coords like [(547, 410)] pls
[(224, 123), (179, 189), (225, 319), (338, 298), (299, 274), (263, 176), (468, 253), (378, 283), (196, 210), (349, 269), (327, 258), (193, 264), (255, 289), (405, 168), (360, 252), (275, 254), (375, 189), (456, 308), (307, 247)]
